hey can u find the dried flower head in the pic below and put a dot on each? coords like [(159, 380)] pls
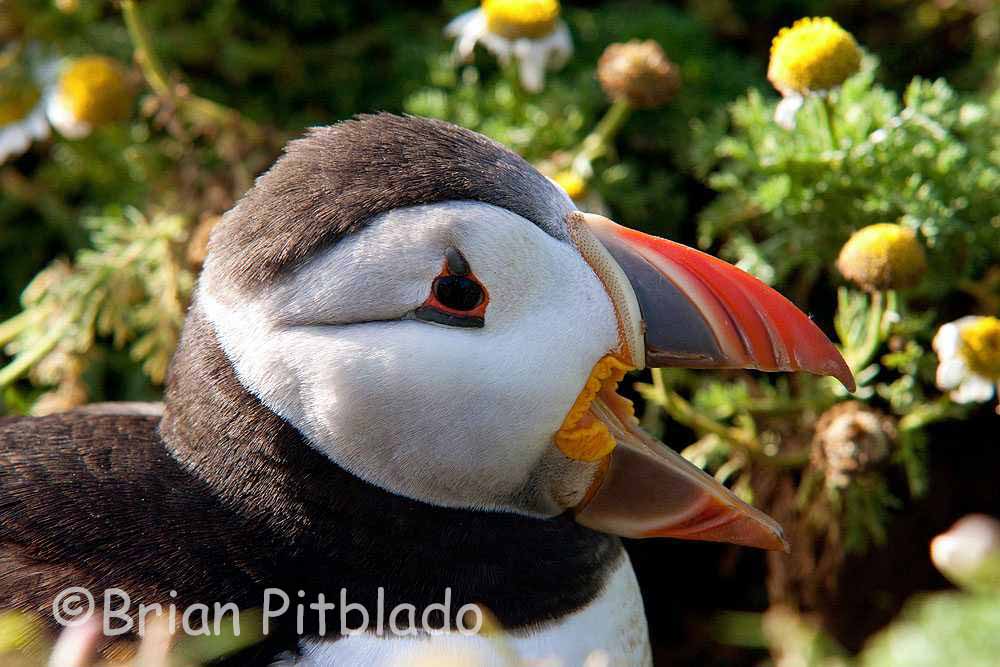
[(639, 73), (883, 256), (814, 55), (851, 439), (92, 91)]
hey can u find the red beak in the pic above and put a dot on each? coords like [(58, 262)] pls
[(697, 312), (701, 312)]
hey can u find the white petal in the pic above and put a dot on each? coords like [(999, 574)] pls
[(531, 61), (472, 29), (951, 372), (16, 137), (460, 23), (63, 119), (77, 645), (560, 46), (464, 46), (498, 45), (946, 340), (974, 389), (46, 72), (12, 143), (37, 125), (788, 107)]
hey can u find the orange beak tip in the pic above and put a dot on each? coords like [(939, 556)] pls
[(738, 528)]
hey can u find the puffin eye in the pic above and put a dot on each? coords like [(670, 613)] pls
[(457, 298), (459, 293)]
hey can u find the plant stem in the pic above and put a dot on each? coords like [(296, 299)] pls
[(199, 109), (612, 121), (685, 413), (152, 68), (827, 112), (928, 413), (25, 360), (861, 356), (15, 325), (791, 461), (599, 140)]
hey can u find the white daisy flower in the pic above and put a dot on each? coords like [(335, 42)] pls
[(968, 352), (22, 115), (91, 91), (529, 30)]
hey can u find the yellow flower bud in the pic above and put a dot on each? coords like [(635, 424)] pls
[(639, 73), (570, 181), (883, 256), (94, 91), (515, 19), (979, 345), (815, 54)]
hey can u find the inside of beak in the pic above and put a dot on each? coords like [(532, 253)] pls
[(643, 488), (646, 489)]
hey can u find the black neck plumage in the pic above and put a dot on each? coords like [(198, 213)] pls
[(319, 528)]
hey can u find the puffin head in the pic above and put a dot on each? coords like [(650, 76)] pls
[(435, 316)]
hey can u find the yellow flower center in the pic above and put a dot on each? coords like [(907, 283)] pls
[(883, 256), (814, 54), (514, 19), (583, 436), (17, 103), (574, 184), (94, 91), (980, 346)]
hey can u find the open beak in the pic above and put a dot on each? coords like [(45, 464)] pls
[(682, 307)]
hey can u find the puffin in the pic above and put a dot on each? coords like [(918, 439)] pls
[(397, 381)]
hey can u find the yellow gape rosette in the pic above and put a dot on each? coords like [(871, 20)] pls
[(582, 435)]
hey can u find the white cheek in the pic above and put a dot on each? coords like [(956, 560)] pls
[(451, 416)]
